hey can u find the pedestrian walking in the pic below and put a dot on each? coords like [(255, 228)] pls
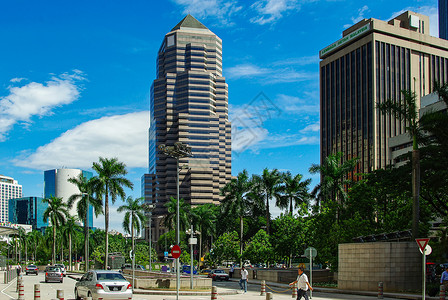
[(232, 269), (19, 269), (243, 280), (302, 285), (444, 278)]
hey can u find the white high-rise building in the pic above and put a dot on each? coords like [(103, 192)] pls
[(9, 189)]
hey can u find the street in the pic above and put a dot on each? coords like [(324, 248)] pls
[(48, 291)]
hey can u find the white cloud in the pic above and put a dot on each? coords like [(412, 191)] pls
[(311, 128), (221, 10), (17, 79), (272, 10), (269, 75), (299, 61), (245, 70), (431, 11), (36, 99), (359, 17), (295, 105), (121, 136)]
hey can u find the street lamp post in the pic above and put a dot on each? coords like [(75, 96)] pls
[(149, 208), (177, 151), (192, 241), (87, 234)]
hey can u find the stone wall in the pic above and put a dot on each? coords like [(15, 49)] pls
[(397, 264), (156, 280), (284, 276)]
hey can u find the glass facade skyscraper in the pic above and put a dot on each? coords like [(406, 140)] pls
[(374, 61), (189, 104), (29, 211), (443, 19)]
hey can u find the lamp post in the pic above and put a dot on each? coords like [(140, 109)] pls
[(192, 241), (149, 208), (177, 151), (87, 233)]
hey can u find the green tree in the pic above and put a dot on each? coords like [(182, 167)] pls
[(225, 248), (288, 236), (268, 186), (294, 192), (204, 219), (184, 214), (83, 201), (134, 218), (110, 182), (236, 201), (69, 231), (57, 212), (407, 111), (35, 238), (259, 248)]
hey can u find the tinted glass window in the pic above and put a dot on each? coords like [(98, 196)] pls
[(109, 276)]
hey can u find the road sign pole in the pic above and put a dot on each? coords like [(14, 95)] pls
[(424, 276)]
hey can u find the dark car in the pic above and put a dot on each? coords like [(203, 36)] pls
[(218, 275), (31, 269)]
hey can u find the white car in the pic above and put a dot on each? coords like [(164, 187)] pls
[(63, 270), (102, 284)]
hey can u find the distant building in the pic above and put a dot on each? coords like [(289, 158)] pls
[(28, 211), (9, 189), (372, 62), (56, 184), (443, 19), (188, 104)]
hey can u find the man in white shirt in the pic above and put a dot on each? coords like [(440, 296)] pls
[(302, 285), (243, 280)]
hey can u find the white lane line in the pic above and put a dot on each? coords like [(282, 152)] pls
[(3, 291)]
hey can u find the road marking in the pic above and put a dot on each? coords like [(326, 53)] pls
[(12, 281)]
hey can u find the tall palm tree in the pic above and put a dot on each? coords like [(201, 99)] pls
[(110, 182), (268, 186), (184, 213), (35, 237), (407, 111), (204, 219), (57, 212), (68, 232), (236, 201), (294, 192), (134, 220), (83, 201)]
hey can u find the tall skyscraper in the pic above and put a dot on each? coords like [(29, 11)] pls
[(9, 189), (188, 104), (56, 184), (29, 211), (443, 19), (373, 62)]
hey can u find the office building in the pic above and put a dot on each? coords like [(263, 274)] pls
[(56, 184), (9, 188), (373, 62), (188, 104), (443, 19), (28, 211)]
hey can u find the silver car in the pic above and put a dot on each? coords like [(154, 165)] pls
[(102, 284), (62, 267)]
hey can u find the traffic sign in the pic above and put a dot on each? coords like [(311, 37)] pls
[(165, 253), (310, 251), (428, 250), (192, 241), (175, 251), (422, 243)]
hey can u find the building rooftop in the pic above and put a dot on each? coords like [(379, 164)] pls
[(190, 22)]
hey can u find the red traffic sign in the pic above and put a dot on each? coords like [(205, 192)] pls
[(175, 251), (422, 243)]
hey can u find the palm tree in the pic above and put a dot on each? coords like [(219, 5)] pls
[(134, 220), (110, 181), (34, 239), (204, 219), (268, 186), (236, 201), (57, 212), (68, 232), (184, 212), (407, 111), (84, 200), (294, 192), (333, 180)]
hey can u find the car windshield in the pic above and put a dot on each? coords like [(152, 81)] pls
[(54, 269), (60, 266), (31, 266), (219, 271), (109, 276)]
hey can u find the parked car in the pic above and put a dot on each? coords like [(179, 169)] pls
[(186, 269), (53, 273), (205, 272), (129, 267), (31, 269), (64, 271), (218, 274), (102, 284)]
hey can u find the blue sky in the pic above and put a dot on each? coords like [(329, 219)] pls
[(75, 79)]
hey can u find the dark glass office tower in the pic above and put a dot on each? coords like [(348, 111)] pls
[(373, 62), (188, 104), (443, 19)]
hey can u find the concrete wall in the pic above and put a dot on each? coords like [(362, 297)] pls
[(362, 265), (284, 276), (155, 280)]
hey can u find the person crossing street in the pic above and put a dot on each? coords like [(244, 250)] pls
[(302, 285)]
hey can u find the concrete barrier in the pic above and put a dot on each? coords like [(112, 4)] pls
[(60, 294), (21, 291), (269, 296), (214, 293), (263, 288), (37, 291)]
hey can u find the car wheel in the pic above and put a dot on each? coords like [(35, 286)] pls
[(227, 278), (46, 281), (26, 273), (76, 295)]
